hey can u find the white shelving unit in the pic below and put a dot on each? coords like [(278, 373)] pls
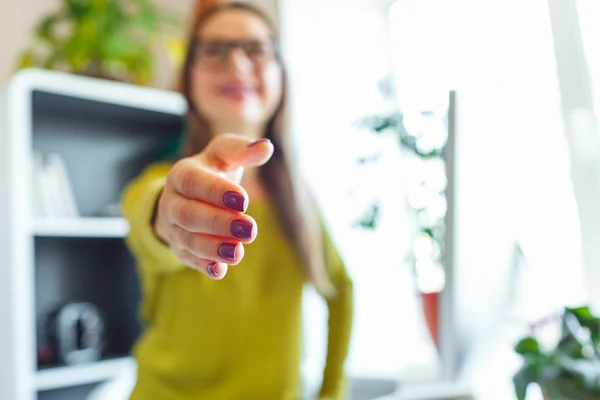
[(81, 227), (61, 377), (107, 132)]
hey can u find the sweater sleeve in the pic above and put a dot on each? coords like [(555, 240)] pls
[(138, 204), (341, 309)]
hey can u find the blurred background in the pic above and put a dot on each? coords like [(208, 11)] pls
[(459, 135)]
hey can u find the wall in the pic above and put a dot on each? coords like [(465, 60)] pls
[(16, 21)]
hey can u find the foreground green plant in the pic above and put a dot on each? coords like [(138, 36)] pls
[(570, 370)]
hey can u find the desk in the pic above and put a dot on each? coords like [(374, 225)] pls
[(432, 391)]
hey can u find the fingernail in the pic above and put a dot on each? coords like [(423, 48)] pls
[(263, 140), (241, 229), (235, 201), (227, 251), (212, 269)]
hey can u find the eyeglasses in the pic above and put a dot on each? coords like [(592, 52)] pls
[(216, 52)]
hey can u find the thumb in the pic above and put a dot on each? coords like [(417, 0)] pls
[(228, 152)]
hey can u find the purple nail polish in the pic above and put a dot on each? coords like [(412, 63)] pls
[(241, 229), (235, 201), (263, 140), (212, 269), (227, 251)]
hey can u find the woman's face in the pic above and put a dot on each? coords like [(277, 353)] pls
[(236, 77)]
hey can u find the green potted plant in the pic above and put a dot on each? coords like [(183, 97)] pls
[(108, 39), (569, 370)]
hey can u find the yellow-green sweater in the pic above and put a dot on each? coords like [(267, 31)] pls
[(237, 338)]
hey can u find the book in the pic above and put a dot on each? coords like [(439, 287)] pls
[(53, 195)]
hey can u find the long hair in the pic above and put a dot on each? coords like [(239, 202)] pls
[(295, 210)]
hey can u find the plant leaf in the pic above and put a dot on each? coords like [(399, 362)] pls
[(78, 8), (45, 29), (586, 318), (522, 379), (528, 346)]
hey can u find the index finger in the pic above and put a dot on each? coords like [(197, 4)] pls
[(229, 151), (190, 179)]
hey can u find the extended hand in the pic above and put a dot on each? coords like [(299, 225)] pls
[(201, 210)]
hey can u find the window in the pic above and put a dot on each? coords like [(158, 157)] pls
[(336, 62), (589, 14), (499, 57), (513, 163)]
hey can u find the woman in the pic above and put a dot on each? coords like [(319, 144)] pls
[(240, 337)]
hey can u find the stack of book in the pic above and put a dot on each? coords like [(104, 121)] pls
[(53, 195)]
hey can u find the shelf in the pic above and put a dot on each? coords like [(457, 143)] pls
[(69, 376), (107, 134), (81, 227)]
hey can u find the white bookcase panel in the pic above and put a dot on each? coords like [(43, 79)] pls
[(70, 376), (106, 133), (81, 227)]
